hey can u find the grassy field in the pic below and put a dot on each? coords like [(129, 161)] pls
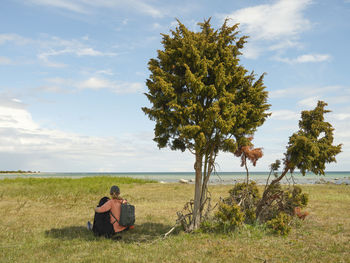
[(43, 220)]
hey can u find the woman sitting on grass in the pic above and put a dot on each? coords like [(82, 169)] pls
[(113, 206)]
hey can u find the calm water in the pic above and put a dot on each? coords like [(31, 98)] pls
[(222, 177)]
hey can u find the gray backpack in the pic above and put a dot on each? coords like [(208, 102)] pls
[(127, 215)]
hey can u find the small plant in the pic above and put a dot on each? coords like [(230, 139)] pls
[(280, 224), (295, 198), (246, 196), (209, 226), (229, 216)]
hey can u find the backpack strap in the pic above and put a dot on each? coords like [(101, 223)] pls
[(116, 220)]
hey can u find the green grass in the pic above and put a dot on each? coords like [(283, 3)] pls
[(43, 220)]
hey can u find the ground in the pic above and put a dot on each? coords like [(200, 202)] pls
[(43, 220)]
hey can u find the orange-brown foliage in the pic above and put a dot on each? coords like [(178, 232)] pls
[(253, 154), (298, 213)]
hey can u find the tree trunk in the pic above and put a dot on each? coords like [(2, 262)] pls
[(197, 193), (263, 199), (246, 168), (208, 168)]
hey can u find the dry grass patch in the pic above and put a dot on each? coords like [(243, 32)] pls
[(43, 220)]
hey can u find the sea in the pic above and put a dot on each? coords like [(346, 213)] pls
[(338, 177)]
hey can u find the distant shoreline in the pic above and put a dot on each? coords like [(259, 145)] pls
[(341, 178), (19, 172)]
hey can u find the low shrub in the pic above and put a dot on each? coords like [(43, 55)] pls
[(226, 219), (280, 224), (229, 216), (246, 196), (240, 208)]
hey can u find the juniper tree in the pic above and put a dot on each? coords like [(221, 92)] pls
[(202, 99), (308, 149)]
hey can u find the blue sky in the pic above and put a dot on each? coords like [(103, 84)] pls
[(73, 72)]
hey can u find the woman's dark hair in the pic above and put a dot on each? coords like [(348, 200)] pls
[(114, 189)]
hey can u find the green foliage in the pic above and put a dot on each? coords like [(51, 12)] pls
[(274, 167), (280, 224), (311, 147), (250, 217), (283, 200), (296, 198), (240, 207), (210, 226), (247, 196), (229, 216), (199, 93), (241, 190)]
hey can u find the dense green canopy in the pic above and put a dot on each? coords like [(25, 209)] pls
[(312, 147), (200, 94)]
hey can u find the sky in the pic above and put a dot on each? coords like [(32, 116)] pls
[(73, 73)]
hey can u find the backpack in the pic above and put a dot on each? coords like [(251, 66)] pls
[(102, 224), (127, 215)]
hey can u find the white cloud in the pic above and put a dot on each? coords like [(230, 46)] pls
[(251, 51), (16, 118), (26, 145), (156, 26), (284, 115), (44, 58), (53, 89), (313, 58), (56, 46), (340, 99), (309, 91), (105, 72), (61, 85), (51, 46), (5, 61), (64, 4), (16, 100), (57, 85), (14, 38), (284, 44), (87, 6), (272, 27), (143, 7), (94, 83), (282, 19), (309, 102), (341, 117), (306, 58), (117, 87)]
